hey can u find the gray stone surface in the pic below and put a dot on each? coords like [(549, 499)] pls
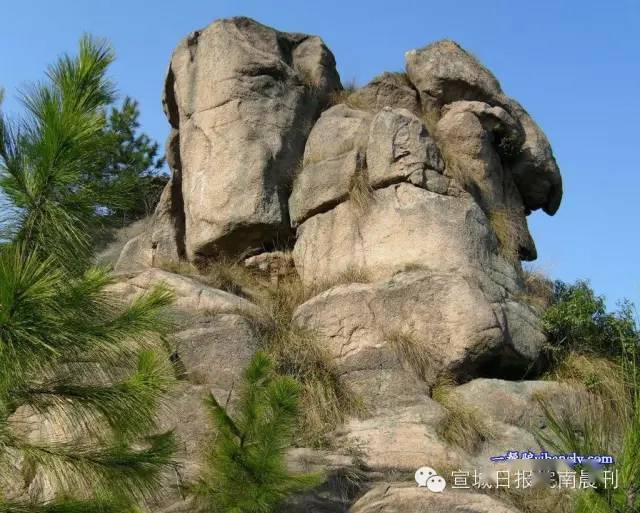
[(334, 153), (399, 146), (443, 73), (405, 498), (247, 96), (402, 226), (469, 133), (388, 90)]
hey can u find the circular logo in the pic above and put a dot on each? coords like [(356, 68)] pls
[(423, 474), (436, 484)]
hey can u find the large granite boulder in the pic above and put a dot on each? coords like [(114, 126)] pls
[(392, 340), (333, 156), (246, 97), (241, 99), (404, 225), (450, 324), (405, 205), (350, 149), (473, 137), (513, 410), (213, 342), (444, 73), (387, 90)]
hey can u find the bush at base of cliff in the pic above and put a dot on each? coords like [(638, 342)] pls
[(600, 351), (578, 321)]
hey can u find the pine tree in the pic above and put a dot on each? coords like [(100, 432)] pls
[(70, 353), (245, 468), (132, 167)]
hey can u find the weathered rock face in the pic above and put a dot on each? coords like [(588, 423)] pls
[(444, 73), (411, 198), (402, 215), (513, 412), (246, 97), (391, 340), (388, 90), (333, 156), (470, 134), (213, 344), (241, 99), (451, 325)]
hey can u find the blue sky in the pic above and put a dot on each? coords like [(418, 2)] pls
[(575, 66)]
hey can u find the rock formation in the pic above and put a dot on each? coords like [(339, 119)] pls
[(409, 195)]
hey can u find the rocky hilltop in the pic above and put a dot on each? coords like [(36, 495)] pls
[(400, 208)]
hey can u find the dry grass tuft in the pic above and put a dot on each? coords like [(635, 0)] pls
[(324, 399), (223, 273), (430, 118), (342, 95), (181, 267), (360, 191), (402, 79), (508, 232), (538, 290), (231, 276), (351, 97), (350, 275), (296, 352), (599, 375), (412, 354), (464, 426)]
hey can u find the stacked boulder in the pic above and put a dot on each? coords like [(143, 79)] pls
[(420, 181), (240, 98)]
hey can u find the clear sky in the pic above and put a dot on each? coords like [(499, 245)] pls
[(575, 66)]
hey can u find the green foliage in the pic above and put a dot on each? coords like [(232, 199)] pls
[(245, 468), (45, 157), (601, 350), (71, 167), (464, 426), (604, 425), (72, 357), (578, 320), (131, 170)]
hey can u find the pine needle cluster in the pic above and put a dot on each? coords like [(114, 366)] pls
[(245, 468), (81, 374)]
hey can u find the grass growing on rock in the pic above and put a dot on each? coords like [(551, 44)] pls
[(464, 426), (223, 273), (508, 232), (346, 95), (360, 191), (297, 353), (537, 291), (411, 353), (597, 350)]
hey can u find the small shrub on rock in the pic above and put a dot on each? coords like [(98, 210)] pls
[(245, 470)]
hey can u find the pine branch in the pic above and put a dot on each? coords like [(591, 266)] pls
[(220, 416), (86, 506), (127, 407), (245, 471), (115, 470)]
